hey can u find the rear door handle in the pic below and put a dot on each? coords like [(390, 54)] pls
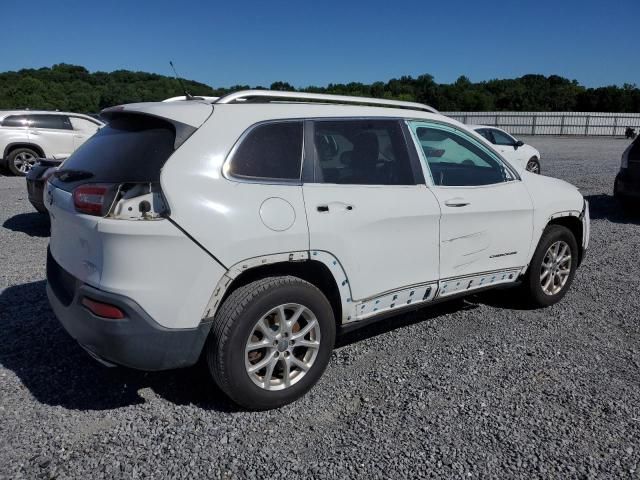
[(335, 206), (457, 202)]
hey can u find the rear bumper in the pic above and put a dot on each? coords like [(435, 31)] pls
[(35, 189), (136, 341)]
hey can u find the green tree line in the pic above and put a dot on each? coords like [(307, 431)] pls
[(74, 88)]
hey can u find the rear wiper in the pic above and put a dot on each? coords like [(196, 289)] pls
[(72, 175)]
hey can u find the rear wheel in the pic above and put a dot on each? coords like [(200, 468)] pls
[(271, 342), (20, 161), (533, 165), (552, 267)]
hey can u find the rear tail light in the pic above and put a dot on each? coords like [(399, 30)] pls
[(101, 309), (91, 199)]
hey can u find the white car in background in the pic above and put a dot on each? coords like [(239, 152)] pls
[(249, 229), (26, 135), (514, 150)]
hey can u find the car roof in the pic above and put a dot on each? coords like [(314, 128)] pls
[(195, 112), (268, 105)]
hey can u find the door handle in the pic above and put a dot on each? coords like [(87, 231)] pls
[(457, 202), (335, 206)]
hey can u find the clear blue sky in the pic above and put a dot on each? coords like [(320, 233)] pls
[(315, 43)]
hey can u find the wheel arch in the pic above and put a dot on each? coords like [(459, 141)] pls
[(320, 269), (12, 146), (574, 224)]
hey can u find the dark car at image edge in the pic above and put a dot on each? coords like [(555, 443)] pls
[(627, 184)]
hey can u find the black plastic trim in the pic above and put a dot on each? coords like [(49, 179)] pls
[(137, 341)]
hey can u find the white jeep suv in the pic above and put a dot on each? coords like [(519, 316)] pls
[(26, 135), (248, 230)]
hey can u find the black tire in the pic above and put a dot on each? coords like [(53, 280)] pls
[(533, 165), (532, 288), (233, 326), (14, 160)]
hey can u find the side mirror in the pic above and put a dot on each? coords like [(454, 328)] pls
[(518, 144)]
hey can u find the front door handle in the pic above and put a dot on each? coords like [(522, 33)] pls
[(457, 202), (322, 208)]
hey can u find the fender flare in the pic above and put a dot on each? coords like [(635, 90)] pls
[(13, 145), (583, 216), (326, 258)]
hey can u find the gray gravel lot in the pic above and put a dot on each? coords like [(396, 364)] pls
[(471, 389)]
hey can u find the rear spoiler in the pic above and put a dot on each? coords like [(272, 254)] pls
[(193, 113)]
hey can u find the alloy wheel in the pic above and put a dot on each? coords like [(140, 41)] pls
[(23, 161), (556, 268), (282, 346)]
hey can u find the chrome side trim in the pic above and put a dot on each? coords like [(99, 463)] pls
[(397, 299), (455, 285)]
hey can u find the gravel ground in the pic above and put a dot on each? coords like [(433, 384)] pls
[(476, 388)]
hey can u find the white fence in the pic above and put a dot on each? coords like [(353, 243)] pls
[(553, 123)]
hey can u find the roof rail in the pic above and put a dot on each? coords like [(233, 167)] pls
[(277, 96)]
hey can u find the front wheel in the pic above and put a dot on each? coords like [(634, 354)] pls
[(533, 165), (552, 267), (271, 341)]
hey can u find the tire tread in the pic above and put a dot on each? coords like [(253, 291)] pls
[(224, 320)]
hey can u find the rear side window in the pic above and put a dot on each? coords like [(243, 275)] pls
[(361, 152), (55, 122), (15, 121), (131, 148), (271, 151)]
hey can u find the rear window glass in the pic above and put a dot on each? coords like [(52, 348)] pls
[(131, 148), (269, 151)]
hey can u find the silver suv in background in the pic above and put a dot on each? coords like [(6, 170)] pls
[(27, 135)]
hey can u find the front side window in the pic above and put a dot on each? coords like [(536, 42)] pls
[(455, 160), (501, 138), (55, 122), (271, 151), (361, 152)]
